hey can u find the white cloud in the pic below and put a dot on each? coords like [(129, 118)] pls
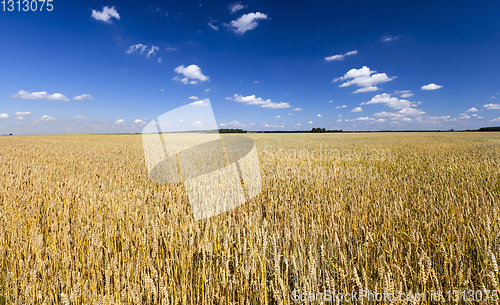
[(277, 117), (184, 80), (495, 120), (81, 116), (252, 100), (214, 27), (492, 106), (393, 102), (246, 22), (363, 78), (310, 122), (23, 113), (364, 119), (152, 51), (106, 14), (20, 118), (473, 109), (340, 56), (172, 49), (367, 89), (403, 93), (119, 121), (343, 106), (4, 116), (330, 101), (141, 48), (139, 121), (193, 98), (388, 38), (160, 59), (47, 118), (191, 72), (136, 47), (464, 116), (83, 97), (40, 96), (431, 86), (357, 109), (400, 114), (199, 103), (237, 6), (320, 116), (297, 109), (207, 90)]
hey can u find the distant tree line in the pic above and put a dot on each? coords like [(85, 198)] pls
[(489, 129), (229, 130)]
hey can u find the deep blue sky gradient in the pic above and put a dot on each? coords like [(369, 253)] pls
[(454, 44)]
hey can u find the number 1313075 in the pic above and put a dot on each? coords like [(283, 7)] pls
[(27, 5)]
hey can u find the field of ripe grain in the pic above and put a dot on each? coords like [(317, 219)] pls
[(82, 223)]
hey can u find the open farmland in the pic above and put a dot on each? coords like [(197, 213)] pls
[(82, 223)]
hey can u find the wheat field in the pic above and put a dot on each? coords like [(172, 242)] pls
[(82, 223)]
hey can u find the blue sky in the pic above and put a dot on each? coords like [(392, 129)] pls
[(94, 66)]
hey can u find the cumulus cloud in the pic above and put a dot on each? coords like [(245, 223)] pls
[(363, 77), (403, 93), (83, 97), (473, 109), (297, 109), (364, 119), (343, 106), (4, 116), (207, 90), (246, 22), (258, 101), (185, 80), (47, 118), (106, 14), (492, 106), (237, 6), (495, 120), (199, 103), (20, 118), (367, 89), (139, 122), (119, 121), (403, 113), (277, 117), (310, 122), (190, 72), (431, 86), (81, 116), (357, 109), (393, 102), (320, 116), (340, 56), (23, 113), (40, 96), (193, 98)]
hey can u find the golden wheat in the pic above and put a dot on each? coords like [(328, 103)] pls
[(82, 223)]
